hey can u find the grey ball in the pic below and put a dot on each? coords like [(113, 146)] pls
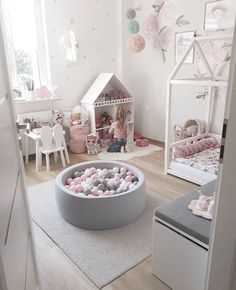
[(123, 175), (77, 174), (134, 178), (111, 187), (117, 184), (109, 175), (101, 187), (130, 13), (96, 182), (88, 191)]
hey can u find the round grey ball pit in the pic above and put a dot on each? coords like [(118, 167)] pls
[(104, 212)]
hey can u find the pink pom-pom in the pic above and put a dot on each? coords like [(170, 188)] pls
[(136, 43)]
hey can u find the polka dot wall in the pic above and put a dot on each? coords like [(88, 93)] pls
[(92, 25)]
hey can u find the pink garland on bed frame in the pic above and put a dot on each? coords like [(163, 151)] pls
[(189, 149)]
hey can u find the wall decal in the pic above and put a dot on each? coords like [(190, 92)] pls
[(69, 45), (158, 27), (137, 5), (182, 43), (150, 27)]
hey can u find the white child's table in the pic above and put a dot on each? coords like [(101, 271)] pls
[(35, 136)]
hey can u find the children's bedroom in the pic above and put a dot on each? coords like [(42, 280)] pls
[(117, 144)]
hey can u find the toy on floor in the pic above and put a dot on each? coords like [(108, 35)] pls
[(91, 144), (95, 182), (140, 141), (203, 206)]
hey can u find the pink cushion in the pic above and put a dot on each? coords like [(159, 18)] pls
[(189, 149)]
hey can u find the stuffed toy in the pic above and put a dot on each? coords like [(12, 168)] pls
[(59, 119), (75, 119), (81, 114), (91, 144)]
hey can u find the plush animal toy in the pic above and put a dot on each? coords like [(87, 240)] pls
[(91, 144), (58, 119), (75, 119)]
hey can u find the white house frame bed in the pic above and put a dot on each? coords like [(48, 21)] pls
[(183, 169)]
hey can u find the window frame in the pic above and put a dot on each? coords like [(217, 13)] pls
[(41, 38)]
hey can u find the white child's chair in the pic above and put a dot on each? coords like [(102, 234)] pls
[(53, 141)]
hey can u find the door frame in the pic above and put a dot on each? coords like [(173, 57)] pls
[(221, 267)]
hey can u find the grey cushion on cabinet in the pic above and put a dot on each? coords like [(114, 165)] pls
[(177, 214)]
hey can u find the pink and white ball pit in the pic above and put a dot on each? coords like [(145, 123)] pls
[(100, 194)]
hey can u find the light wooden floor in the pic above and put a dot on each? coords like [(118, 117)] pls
[(58, 272)]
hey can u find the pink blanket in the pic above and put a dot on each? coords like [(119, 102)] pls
[(190, 149)]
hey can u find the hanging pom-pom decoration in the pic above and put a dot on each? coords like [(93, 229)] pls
[(136, 43), (130, 13), (133, 26)]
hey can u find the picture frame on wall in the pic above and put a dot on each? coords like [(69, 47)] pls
[(219, 15), (182, 43)]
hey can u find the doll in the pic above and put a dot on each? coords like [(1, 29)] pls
[(91, 144)]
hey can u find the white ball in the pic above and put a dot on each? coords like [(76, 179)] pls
[(115, 169)]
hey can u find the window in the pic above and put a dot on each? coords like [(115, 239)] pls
[(25, 45)]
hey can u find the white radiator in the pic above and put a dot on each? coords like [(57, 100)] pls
[(41, 116)]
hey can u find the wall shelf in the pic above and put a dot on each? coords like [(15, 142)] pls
[(36, 101)]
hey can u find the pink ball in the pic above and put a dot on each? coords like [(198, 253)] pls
[(136, 43), (129, 173), (94, 176), (83, 177), (69, 180), (100, 192), (73, 188), (128, 178), (79, 188), (77, 180), (107, 193), (95, 192), (117, 178), (93, 169), (123, 170)]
